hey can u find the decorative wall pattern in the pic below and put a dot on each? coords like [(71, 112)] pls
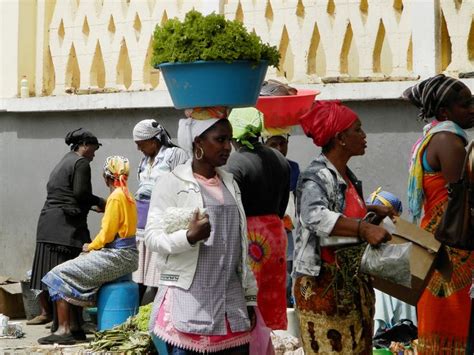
[(105, 45)]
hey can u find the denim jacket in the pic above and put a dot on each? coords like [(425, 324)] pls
[(320, 201)]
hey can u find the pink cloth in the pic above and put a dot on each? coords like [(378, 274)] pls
[(212, 185), (165, 330), (325, 120)]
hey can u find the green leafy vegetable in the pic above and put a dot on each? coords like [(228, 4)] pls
[(130, 337), (209, 38)]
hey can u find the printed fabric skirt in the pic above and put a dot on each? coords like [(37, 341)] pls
[(336, 308), (147, 272), (48, 256), (78, 280), (267, 251)]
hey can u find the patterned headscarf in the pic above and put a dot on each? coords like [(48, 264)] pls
[(246, 123), (198, 120), (117, 168), (431, 94), (325, 120), (148, 129)]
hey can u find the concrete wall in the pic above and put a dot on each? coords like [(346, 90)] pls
[(32, 143)]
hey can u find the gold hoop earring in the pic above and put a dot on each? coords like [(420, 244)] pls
[(196, 153)]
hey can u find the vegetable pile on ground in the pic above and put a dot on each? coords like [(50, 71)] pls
[(209, 38), (130, 337)]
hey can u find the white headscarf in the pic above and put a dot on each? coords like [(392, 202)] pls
[(191, 128), (148, 129)]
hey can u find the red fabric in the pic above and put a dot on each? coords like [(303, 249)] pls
[(444, 307), (325, 120), (355, 208), (267, 254)]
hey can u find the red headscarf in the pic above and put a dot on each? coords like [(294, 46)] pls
[(325, 120)]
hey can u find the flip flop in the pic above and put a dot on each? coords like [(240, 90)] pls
[(41, 319), (66, 339)]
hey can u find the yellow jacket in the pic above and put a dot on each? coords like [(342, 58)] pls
[(120, 218)]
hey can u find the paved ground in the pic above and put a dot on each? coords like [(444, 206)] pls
[(29, 345)]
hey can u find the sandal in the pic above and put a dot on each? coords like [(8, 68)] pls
[(79, 335), (65, 339), (41, 319)]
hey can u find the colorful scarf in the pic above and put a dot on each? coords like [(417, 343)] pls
[(117, 168), (415, 174)]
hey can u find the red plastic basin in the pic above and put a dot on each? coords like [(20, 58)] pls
[(282, 111)]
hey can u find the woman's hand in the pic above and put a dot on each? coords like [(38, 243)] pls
[(373, 234), (382, 211), (199, 228), (85, 247)]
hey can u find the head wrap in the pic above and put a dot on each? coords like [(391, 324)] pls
[(431, 94), (325, 120), (385, 198), (80, 136), (199, 120), (148, 129), (269, 132), (246, 123), (117, 168)]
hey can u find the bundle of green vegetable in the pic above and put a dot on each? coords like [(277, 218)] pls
[(130, 337), (209, 38)]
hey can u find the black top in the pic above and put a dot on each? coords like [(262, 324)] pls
[(63, 219), (263, 175)]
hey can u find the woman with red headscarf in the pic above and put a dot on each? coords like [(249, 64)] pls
[(334, 302)]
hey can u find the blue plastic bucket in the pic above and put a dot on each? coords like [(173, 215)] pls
[(115, 303), (214, 83), (160, 345)]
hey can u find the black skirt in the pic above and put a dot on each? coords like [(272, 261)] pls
[(47, 256)]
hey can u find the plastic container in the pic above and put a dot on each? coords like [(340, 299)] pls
[(283, 111), (116, 302), (30, 300), (214, 83)]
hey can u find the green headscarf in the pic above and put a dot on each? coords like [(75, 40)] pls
[(246, 123)]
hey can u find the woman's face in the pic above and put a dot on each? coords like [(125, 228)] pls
[(88, 151), (279, 143), (462, 110), (148, 147), (216, 143), (354, 139)]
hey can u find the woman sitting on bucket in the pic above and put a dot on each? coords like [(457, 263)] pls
[(111, 254)]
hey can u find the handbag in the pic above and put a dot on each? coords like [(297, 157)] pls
[(456, 228)]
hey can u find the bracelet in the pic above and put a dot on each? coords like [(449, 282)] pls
[(358, 229)]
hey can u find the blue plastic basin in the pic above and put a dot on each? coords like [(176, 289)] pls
[(214, 83)]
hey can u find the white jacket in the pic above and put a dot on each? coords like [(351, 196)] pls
[(177, 258)]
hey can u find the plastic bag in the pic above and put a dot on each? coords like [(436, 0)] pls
[(402, 332), (261, 342), (388, 261)]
